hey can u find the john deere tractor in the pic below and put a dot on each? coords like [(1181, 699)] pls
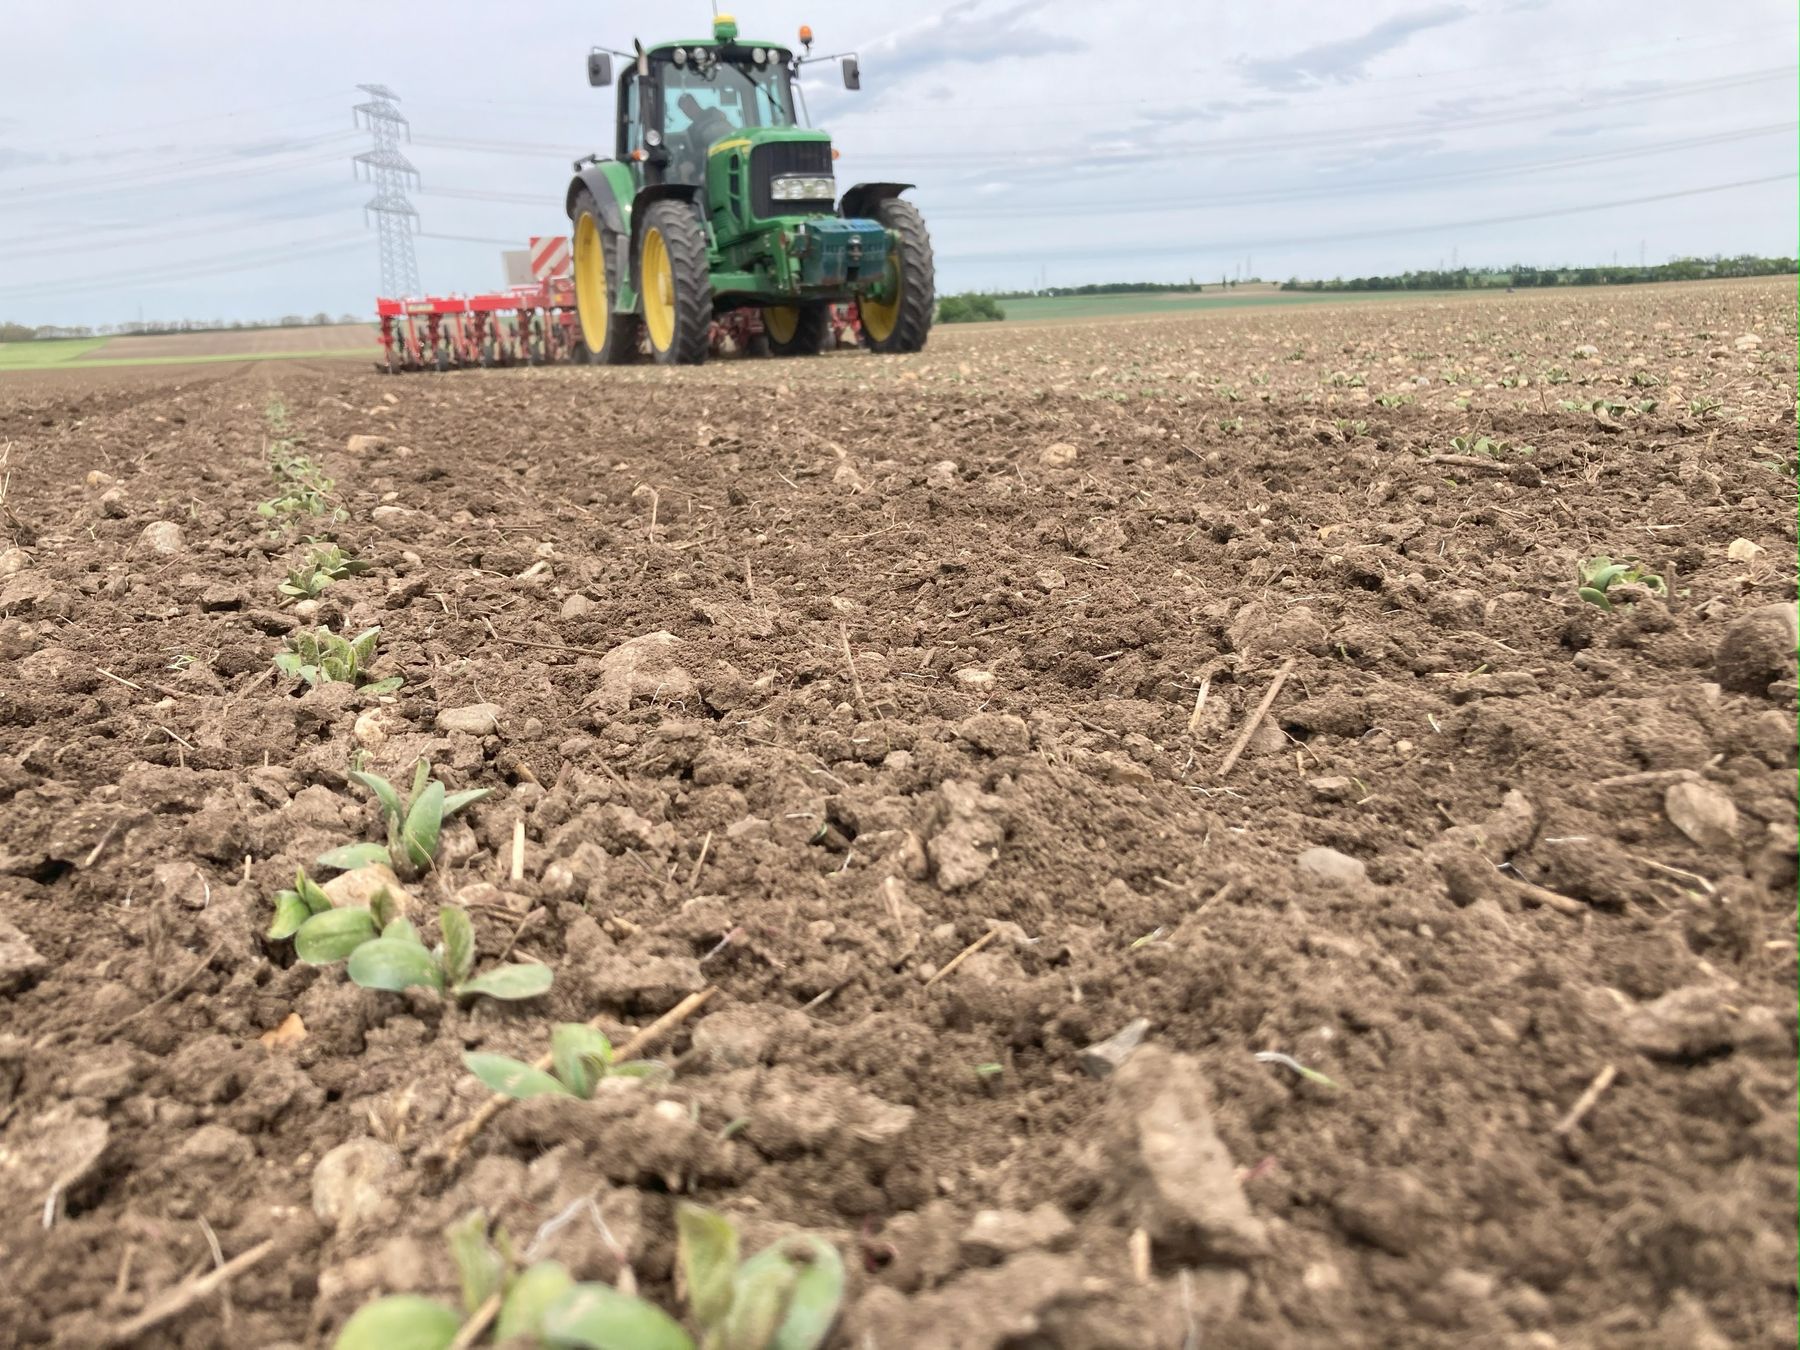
[(718, 204)]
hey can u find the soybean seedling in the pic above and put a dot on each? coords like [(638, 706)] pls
[(319, 656), (539, 1305), (321, 568), (399, 960), (1600, 575), (413, 825), (322, 934), (786, 1297), (580, 1057)]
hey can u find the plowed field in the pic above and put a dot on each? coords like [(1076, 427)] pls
[(898, 704)]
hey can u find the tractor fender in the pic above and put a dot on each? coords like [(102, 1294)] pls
[(656, 192), (864, 199), (597, 179)]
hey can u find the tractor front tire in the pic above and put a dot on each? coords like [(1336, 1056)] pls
[(796, 330), (611, 338), (674, 285), (902, 322)]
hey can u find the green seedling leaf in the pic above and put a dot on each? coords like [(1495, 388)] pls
[(707, 1247), (421, 776), (1594, 597), (290, 912), (459, 943), (385, 910), (759, 1302), (423, 820), (478, 1265), (308, 890), (384, 793), (513, 1078), (529, 1299), (362, 646), (289, 664), (457, 800), (599, 1317), (352, 856), (509, 982), (330, 936), (388, 686), (815, 1293), (395, 964), (637, 1068), (581, 1056), (400, 929), (400, 1322)]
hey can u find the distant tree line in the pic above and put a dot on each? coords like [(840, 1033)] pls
[(1475, 278), (19, 332), (1126, 288), (970, 308)]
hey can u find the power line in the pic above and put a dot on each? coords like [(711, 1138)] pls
[(1363, 187), (1340, 236), (238, 158), (218, 265)]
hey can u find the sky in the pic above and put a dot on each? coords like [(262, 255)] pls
[(169, 161)]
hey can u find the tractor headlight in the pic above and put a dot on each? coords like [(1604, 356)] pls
[(653, 138), (804, 188), (680, 56)]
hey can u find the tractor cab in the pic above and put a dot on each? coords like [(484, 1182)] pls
[(695, 95)]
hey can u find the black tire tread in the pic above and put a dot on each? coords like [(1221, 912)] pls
[(918, 273), (693, 282), (621, 345), (809, 332)]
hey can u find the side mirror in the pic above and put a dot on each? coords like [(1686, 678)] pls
[(852, 73), (599, 69)]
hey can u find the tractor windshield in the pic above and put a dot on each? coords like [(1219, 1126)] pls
[(705, 99)]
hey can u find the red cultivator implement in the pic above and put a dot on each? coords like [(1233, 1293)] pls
[(534, 324)]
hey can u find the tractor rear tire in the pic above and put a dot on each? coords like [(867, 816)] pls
[(611, 338), (674, 285), (904, 322), (797, 330)]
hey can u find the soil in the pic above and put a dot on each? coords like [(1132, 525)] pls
[(320, 338), (960, 645)]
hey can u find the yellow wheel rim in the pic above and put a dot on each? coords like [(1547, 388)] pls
[(592, 304), (782, 321), (658, 277), (880, 317)]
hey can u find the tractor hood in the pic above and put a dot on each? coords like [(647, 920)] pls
[(774, 171)]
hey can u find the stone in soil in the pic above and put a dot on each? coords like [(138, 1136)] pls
[(1703, 812), (1390, 1209), (20, 962), (353, 1181), (1161, 1165), (162, 536), (477, 719), (1103, 1058), (1757, 650), (1328, 865), (644, 668)]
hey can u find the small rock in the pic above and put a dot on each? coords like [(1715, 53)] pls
[(1058, 456), (996, 733), (477, 719), (942, 474), (1327, 864), (1103, 1058), (357, 890), (1331, 788), (49, 1155), (371, 729), (972, 677), (216, 1144), (645, 667), (113, 504), (365, 444), (353, 1180), (389, 515), (1703, 813), (967, 841), (162, 536), (14, 561), (1758, 649), (1692, 1022), (576, 606), (995, 1234), (20, 962), (182, 883), (1162, 1164), (1390, 1209)]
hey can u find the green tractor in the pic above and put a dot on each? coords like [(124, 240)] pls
[(718, 211)]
